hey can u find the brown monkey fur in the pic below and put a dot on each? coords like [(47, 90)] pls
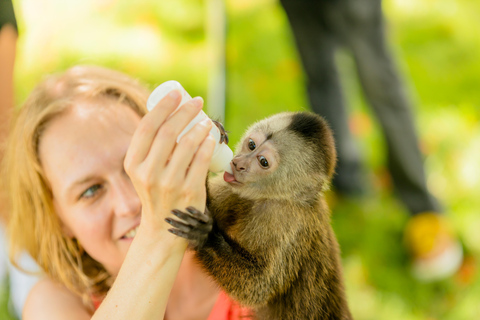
[(266, 237)]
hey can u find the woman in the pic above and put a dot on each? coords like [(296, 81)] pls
[(92, 178)]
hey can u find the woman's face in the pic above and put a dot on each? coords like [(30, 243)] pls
[(82, 152)]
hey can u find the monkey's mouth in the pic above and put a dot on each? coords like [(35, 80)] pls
[(230, 178)]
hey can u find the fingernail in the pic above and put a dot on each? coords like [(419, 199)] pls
[(210, 137), (206, 122), (174, 94), (198, 102)]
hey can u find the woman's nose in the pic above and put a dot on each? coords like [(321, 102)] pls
[(126, 200)]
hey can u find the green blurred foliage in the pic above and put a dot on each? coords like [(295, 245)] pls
[(437, 47)]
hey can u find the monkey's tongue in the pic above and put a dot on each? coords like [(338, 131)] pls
[(228, 177)]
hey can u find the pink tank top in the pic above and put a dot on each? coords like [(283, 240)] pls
[(227, 309), (224, 309)]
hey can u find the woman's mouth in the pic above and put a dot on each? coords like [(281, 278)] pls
[(131, 233)]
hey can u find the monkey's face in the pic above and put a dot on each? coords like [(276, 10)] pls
[(257, 157), (288, 155)]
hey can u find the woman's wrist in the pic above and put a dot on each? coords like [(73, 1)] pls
[(154, 238), (143, 285)]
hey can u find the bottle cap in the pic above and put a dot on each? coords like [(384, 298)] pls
[(162, 90)]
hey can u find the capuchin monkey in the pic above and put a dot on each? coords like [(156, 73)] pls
[(266, 237)]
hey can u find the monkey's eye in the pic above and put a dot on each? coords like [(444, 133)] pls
[(263, 161), (251, 145)]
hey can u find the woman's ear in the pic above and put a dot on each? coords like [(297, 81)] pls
[(66, 230)]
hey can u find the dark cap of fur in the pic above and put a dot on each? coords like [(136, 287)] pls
[(315, 130)]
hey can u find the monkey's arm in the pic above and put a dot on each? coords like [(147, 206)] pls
[(249, 277)]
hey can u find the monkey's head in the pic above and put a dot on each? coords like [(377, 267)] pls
[(288, 154)]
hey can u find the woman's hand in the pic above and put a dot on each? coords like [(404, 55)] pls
[(167, 175)]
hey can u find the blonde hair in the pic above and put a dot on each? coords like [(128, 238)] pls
[(33, 223)]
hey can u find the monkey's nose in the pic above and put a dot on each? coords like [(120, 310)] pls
[(238, 165)]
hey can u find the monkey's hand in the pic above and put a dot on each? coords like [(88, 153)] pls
[(194, 226), (223, 133)]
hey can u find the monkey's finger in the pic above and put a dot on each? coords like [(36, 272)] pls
[(179, 225), (218, 124), (187, 218), (223, 133), (225, 137), (180, 233), (198, 214)]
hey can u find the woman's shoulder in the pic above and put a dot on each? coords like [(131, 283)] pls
[(50, 300)]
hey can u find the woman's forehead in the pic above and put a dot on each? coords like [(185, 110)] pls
[(86, 140), (102, 109), (94, 116)]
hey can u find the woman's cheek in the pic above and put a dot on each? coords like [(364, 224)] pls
[(94, 231)]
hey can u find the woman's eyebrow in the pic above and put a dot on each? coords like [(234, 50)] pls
[(82, 180), (77, 183)]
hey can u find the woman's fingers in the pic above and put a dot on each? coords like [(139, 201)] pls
[(148, 127), (198, 170), (186, 148), (159, 167), (164, 146), (189, 180)]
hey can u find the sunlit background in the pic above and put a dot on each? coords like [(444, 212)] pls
[(437, 46)]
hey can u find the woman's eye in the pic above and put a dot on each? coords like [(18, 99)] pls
[(91, 192), (251, 145), (263, 161)]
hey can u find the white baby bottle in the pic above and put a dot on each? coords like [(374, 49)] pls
[(222, 154)]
